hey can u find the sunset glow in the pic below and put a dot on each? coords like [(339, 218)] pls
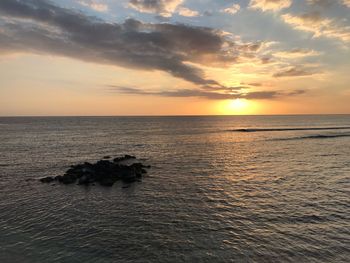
[(173, 57), (174, 131), (238, 106)]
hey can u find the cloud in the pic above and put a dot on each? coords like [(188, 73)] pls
[(266, 60), (95, 5), (270, 5), (323, 3), (38, 26), (223, 88), (346, 3), (211, 95), (162, 7), (184, 11), (232, 9), (318, 26), (254, 84), (296, 53), (295, 72), (261, 95)]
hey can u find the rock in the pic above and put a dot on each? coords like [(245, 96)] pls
[(83, 180), (104, 172), (48, 179), (68, 179), (107, 181), (58, 178), (124, 158), (128, 174), (130, 179)]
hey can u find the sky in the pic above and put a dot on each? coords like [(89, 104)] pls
[(174, 57)]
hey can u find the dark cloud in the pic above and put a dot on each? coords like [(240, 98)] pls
[(224, 88), (212, 95), (272, 94), (42, 27), (295, 72), (254, 84)]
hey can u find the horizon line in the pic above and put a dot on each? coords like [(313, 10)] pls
[(185, 115)]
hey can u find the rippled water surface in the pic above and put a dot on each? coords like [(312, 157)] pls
[(215, 192)]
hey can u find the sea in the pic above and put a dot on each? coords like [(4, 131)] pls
[(220, 189)]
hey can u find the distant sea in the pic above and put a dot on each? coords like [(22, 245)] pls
[(221, 189)]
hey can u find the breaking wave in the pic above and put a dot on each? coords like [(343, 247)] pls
[(317, 136), (288, 129)]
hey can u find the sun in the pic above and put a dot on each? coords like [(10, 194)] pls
[(237, 107)]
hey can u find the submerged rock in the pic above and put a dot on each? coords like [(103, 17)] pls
[(123, 158), (48, 179), (104, 172)]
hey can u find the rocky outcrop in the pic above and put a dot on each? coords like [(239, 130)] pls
[(104, 172)]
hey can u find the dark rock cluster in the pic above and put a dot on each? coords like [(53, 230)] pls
[(104, 172)]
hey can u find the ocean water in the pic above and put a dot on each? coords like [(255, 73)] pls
[(221, 189)]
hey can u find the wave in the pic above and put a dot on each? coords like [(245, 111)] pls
[(288, 129), (317, 136)]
